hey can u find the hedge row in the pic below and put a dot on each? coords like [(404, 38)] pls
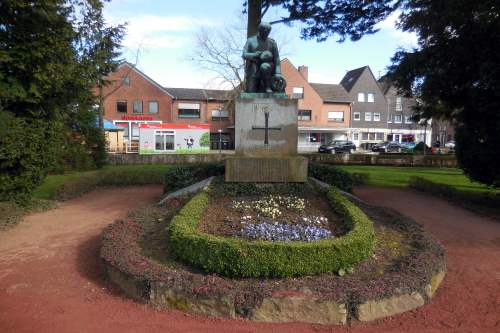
[(489, 200), (237, 257), (180, 176), (337, 177), (89, 182)]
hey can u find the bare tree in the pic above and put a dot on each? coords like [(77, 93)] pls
[(218, 50)]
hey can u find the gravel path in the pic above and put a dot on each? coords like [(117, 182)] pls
[(50, 277)]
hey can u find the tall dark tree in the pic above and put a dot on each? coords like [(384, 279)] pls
[(454, 71), (43, 82)]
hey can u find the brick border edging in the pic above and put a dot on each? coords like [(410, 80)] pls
[(280, 306)]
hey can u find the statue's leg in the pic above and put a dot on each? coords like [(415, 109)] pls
[(266, 74), (252, 85)]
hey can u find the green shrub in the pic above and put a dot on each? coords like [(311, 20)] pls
[(337, 177), (92, 180), (232, 256), (486, 199), (180, 176)]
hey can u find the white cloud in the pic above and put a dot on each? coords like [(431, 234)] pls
[(407, 39), (154, 31)]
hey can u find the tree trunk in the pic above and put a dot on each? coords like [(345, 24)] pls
[(100, 115), (254, 16)]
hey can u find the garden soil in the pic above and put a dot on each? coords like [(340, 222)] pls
[(51, 278)]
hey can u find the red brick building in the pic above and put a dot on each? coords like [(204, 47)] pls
[(133, 99)]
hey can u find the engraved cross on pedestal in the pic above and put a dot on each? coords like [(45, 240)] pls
[(266, 127)]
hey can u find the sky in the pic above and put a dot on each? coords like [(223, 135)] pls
[(161, 34)]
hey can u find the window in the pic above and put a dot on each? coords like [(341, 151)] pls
[(298, 92), (121, 106), (123, 125), (357, 116), (368, 116), (371, 136), (314, 137), (153, 107), (380, 136), (189, 110), (219, 113), (304, 115), (164, 140), (336, 116), (399, 104), (137, 107), (376, 116), (389, 118), (355, 136), (408, 120), (371, 98), (364, 136), (126, 81), (135, 131), (398, 119), (361, 97)]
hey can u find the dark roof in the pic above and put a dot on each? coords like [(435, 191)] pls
[(351, 77), (384, 83), (331, 92), (199, 94)]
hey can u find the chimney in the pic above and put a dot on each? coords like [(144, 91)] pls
[(304, 71)]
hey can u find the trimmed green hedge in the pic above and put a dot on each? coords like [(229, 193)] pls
[(237, 257), (490, 200), (337, 177)]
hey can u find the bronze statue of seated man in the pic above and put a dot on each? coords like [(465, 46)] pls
[(262, 67)]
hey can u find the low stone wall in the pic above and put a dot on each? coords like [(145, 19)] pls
[(441, 161)]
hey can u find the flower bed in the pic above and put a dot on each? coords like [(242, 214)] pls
[(404, 272), (233, 256)]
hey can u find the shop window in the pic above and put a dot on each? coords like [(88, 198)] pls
[(135, 131), (121, 106), (137, 107), (153, 107), (123, 125), (371, 98), (376, 116), (357, 116), (368, 116), (361, 97), (380, 136), (298, 92), (314, 137), (371, 136), (364, 135), (355, 136), (304, 115), (164, 140), (337, 116)]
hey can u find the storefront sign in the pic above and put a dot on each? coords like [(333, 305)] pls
[(137, 118)]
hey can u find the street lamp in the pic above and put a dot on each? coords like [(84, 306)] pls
[(220, 140)]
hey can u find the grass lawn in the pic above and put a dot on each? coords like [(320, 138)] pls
[(387, 176), (47, 190)]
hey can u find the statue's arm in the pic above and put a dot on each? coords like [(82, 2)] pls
[(248, 54)]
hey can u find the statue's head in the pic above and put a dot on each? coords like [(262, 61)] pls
[(264, 29)]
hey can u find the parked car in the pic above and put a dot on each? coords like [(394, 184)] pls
[(338, 146), (388, 147), (450, 144), (408, 146)]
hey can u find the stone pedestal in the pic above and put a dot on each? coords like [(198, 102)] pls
[(266, 134)]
